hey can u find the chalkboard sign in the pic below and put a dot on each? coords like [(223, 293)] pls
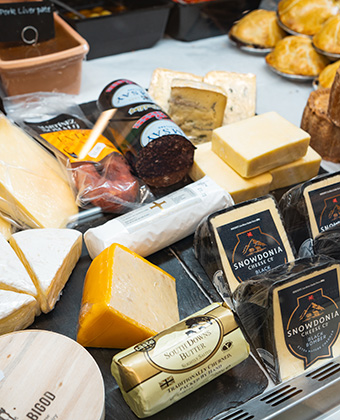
[(26, 22)]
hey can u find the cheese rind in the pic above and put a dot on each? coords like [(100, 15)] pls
[(49, 256), (258, 144), (197, 108), (298, 171), (33, 188), (206, 162), (17, 311), (240, 89), (126, 299)]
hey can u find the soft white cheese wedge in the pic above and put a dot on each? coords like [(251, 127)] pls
[(49, 256), (17, 311)]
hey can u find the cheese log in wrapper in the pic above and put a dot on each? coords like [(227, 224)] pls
[(165, 368), (49, 256), (242, 241), (17, 311), (311, 207), (161, 223), (126, 299), (258, 144), (291, 315), (33, 189)]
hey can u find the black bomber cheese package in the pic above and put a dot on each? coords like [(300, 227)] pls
[(311, 208), (291, 315), (242, 241)]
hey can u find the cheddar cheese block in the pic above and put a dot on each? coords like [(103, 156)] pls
[(17, 311), (33, 188), (206, 162), (13, 275), (240, 89), (259, 144), (126, 299), (197, 108), (295, 172), (49, 256), (243, 241), (160, 84), (291, 315)]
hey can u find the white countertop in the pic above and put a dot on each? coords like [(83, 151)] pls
[(274, 93)]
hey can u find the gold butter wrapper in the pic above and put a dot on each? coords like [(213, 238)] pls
[(165, 368)]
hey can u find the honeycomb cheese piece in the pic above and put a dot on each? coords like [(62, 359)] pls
[(197, 108), (160, 84), (49, 256), (291, 315), (206, 162), (298, 171), (259, 144), (13, 275), (126, 299), (240, 89), (17, 311), (33, 189)]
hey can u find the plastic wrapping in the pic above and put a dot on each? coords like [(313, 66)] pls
[(290, 315), (98, 172), (325, 243), (34, 191), (161, 223), (165, 368), (311, 207), (242, 241)]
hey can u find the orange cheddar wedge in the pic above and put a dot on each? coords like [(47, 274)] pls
[(126, 299)]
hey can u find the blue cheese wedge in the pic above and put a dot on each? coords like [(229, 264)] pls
[(197, 108), (17, 311), (49, 256), (291, 315), (240, 89)]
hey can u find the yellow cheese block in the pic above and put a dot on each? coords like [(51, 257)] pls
[(126, 299), (258, 144), (33, 189), (298, 171), (206, 162), (197, 108)]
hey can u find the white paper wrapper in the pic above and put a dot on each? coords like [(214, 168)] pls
[(161, 223)]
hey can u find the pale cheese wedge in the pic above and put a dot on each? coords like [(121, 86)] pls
[(160, 84), (13, 275), (126, 299), (33, 188), (258, 144), (206, 162), (240, 89), (17, 311), (49, 256)]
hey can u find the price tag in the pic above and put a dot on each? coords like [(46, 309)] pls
[(26, 22)]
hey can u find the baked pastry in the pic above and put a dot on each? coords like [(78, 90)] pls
[(306, 16), (326, 77), (259, 29), (325, 135), (295, 55), (327, 39)]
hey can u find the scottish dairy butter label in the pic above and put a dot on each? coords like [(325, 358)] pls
[(161, 370), (311, 316), (323, 204)]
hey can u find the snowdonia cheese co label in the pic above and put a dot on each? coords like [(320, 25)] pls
[(163, 369), (251, 240), (323, 203), (310, 316)]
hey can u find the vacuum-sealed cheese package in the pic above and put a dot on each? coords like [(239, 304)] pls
[(98, 173), (34, 190), (161, 370), (162, 222), (291, 315)]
